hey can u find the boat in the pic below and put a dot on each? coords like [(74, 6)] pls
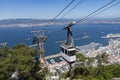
[(27, 39), (52, 61), (113, 35), (117, 35), (85, 35)]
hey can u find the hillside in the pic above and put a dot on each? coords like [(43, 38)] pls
[(42, 22)]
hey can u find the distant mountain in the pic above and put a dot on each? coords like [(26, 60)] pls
[(21, 21), (34, 21), (30, 22), (41, 22), (105, 21)]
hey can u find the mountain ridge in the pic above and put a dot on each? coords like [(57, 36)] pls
[(29, 22)]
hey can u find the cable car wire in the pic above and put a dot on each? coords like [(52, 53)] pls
[(85, 16), (58, 15), (106, 9), (73, 8), (96, 11)]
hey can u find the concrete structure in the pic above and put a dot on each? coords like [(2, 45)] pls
[(53, 56)]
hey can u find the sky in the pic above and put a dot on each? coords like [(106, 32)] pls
[(48, 9)]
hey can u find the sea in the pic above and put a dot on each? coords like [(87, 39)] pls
[(56, 34)]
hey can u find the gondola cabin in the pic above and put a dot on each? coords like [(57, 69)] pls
[(68, 53)]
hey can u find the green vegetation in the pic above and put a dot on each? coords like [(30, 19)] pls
[(87, 72), (102, 59), (20, 59), (80, 57)]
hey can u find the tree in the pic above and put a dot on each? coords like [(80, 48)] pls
[(116, 70), (80, 57), (18, 59), (3, 51), (102, 59)]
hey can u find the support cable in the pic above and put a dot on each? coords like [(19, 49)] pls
[(96, 11), (73, 8), (58, 15), (106, 9)]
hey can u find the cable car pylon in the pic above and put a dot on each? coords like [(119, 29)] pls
[(39, 39)]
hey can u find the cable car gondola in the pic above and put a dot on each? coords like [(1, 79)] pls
[(68, 53), (67, 48)]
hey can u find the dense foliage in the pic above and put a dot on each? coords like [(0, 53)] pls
[(87, 72), (19, 59)]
